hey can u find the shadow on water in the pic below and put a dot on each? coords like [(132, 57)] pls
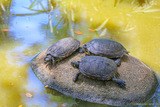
[(28, 27)]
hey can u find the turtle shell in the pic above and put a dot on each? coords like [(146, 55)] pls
[(63, 48), (105, 47), (97, 67)]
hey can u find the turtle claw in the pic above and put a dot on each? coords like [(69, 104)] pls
[(49, 65)]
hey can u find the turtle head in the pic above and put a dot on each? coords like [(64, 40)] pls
[(49, 60), (75, 64), (83, 49)]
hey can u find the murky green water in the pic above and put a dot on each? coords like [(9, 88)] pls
[(26, 28)]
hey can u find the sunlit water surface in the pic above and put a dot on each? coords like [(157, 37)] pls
[(28, 27)]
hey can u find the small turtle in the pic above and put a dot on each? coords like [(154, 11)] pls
[(97, 67), (106, 48), (60, 50)]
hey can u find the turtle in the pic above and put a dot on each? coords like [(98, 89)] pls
[(99, 68), (61, 50), (106, 48)]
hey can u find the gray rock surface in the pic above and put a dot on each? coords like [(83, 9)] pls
[(140, 80)]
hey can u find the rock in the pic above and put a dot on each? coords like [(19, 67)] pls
[(141, 81)]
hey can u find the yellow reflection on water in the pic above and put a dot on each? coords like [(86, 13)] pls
[(12, 79), (134, 23)]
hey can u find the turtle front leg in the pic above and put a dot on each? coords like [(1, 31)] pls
[(52, 63), (75, 78)]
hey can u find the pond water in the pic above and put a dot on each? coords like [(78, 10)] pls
[(30, 26)]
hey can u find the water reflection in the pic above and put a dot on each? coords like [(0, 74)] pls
[(28, 29), (36, 88), (20, 7)]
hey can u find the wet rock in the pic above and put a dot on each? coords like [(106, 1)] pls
[(140, 80)]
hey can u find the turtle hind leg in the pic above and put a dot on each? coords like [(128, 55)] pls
[(118, 61), (75, 78), (121, 83), (117, 74)]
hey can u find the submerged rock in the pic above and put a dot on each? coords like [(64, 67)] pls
[(140, 80)]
